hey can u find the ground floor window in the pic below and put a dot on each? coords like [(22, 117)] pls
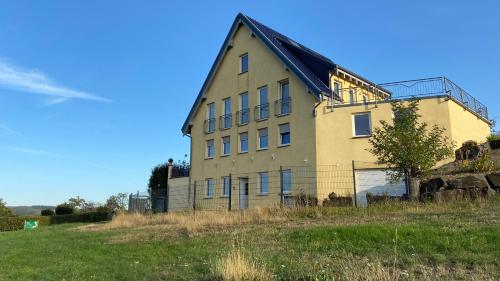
[(264, 183), (286, 178), (209, 188)]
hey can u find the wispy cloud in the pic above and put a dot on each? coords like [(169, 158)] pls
[(37, 82), (40, 152), (32, 151)]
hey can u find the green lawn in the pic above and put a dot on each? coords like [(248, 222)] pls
[(430, 242)]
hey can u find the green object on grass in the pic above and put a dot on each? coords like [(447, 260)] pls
[(30, 224)]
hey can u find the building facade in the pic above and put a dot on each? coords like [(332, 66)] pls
[(273, 116)]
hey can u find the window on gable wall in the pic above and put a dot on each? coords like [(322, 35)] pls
[(243, 142), (244, 63), (210, 149), (285, 134)]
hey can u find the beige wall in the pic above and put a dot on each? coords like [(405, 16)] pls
[(264, 69), (178, 192), (320, 144), (466, 126)]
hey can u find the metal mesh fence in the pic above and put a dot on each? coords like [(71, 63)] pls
[(289, 186)]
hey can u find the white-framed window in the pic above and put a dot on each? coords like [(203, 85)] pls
[(284, 102), (209, 188), (285, 137), (337, 88), (211, 117), (286, 178), (352, 96), (362, 124), (263, 138), (210, 149), (244, 63), (226, 118), (243, 142), (226, 185), (263, 183), (365, 98), (226, 145), (244, 111), (263, 110)]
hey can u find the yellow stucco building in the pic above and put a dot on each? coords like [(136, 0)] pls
[(275, 119)]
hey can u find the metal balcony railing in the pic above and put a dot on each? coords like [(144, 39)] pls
[(225, 121), (261, 112), (283, 106), (436, 86), (428, 87), (209, 125), (242, 116)]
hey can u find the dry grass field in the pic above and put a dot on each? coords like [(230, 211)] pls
[(404, 241)]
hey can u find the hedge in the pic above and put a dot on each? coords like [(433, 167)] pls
[(17, 223), (81, 217)]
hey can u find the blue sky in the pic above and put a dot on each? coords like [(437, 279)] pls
[(93, 93)]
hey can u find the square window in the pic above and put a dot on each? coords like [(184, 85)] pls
[(244, 142), (225, 186), (226, 145), (286, 178), (263, 139), (285, 134), (244, 63), (362, 124), (209, 188), (210, 149), (264, 183)]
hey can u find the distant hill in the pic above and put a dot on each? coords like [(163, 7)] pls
[(29, 210)]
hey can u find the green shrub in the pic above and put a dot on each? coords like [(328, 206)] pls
[(483, 164), (64, 209), (17, 223), (81, 217), (47, 212), (493, 138)]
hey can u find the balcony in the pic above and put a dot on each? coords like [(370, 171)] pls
[(261, 112), (283, 106), (242, 116), (209, 125), (419, 88), (225, 121)]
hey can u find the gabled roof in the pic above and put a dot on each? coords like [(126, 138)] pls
[(309, 66)]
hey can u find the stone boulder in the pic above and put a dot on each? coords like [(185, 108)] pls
[(494, 181), (448, 195), (466, 182)]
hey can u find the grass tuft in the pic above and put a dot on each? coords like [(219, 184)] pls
[(237, 267)]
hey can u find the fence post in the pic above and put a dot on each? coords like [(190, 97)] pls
[(355, 202), (230, 192), (194, 196), (281, 187)]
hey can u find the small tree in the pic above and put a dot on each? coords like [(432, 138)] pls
[(4, 210), (159, 177), (408, 147), (77, 202), (117, 202)]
